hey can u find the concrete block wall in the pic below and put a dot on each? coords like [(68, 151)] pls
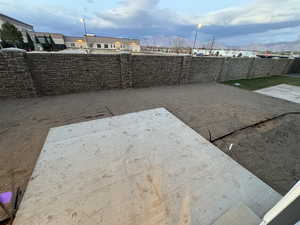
[(269, 67), (206, 69), (42, 74), (280, 66), (125, 70), (150, 71), (223, 69), (70, 73), (236, 68), (15, 77), (294, 66), (186, 70), (261, 67)]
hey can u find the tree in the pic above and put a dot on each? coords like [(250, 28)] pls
[(52, 43), (177, 44), (30, 44), (9, 34)]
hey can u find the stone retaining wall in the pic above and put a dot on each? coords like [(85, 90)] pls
[(150, 71), (294, 66), (42, 74), (67, 73), (15, 77), (206, 69)]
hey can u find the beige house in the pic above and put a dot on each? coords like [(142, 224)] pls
[(103, 43), (89, 41)]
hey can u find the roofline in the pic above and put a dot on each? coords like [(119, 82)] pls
[(50, 33), (129, 39), (18, 21)]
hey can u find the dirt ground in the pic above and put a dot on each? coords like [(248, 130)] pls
[(270, 150)]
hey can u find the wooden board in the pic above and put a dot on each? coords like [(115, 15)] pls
[(144, 168)]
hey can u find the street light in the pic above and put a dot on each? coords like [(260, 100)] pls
[(82, 20), (199, 26)]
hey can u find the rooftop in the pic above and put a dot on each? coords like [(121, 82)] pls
[(55, 35), (15, 20), (100, 38)]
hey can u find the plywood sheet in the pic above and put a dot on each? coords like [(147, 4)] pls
[(144, 168)]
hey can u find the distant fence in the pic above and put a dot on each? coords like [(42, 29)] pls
[(42, 74)]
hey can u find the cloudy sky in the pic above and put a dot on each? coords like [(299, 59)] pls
[(232, 22)]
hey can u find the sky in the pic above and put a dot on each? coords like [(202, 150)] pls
[(230, 22)]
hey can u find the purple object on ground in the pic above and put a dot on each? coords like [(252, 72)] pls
[(5, 197)]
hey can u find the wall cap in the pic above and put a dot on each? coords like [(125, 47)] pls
[(12, 50)]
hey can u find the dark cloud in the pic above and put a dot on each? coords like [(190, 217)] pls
[(245, 29), (142, 14), (143, 18), (183, 31)]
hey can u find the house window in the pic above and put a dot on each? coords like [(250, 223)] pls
[(90, 45), (111, 46), (105, 45), (98, 45), (72, 44)]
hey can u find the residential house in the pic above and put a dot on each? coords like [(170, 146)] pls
[(103, 43)]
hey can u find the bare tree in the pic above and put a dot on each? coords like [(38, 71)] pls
[(211, 47), (177, 44)]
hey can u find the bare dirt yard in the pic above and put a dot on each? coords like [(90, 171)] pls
[(263, 132)]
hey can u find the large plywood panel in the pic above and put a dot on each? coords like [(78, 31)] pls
[(145, 168)]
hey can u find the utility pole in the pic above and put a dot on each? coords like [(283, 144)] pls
[(199, 26), (195, 40), (82, 20), (84, 26)]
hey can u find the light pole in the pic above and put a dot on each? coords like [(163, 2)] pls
[(82, 20), (199, 26)]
